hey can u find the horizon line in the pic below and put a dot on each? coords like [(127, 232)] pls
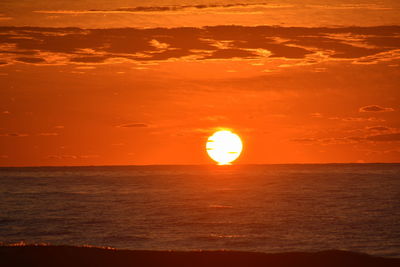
[(222, 166)]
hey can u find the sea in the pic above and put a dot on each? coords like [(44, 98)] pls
[(264, 208)]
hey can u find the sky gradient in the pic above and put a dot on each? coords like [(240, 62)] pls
[(93, 83)]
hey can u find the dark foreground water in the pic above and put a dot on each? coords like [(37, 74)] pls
[(267, 208)]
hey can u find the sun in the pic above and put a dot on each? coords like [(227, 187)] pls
[(224, 147)]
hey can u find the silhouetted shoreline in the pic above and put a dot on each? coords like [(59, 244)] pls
[(43, 255)]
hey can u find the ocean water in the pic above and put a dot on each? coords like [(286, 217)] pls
[(267, 208)]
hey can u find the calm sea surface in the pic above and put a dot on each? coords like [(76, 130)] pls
[(268, 208)]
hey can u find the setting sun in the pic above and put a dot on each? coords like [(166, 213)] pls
[(224, 147)]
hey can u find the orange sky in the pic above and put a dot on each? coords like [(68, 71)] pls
[(127, 83)]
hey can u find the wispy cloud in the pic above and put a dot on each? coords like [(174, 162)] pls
[(382, 137), (357, 119), (63, 157), (375, 108), (14, 134), (351, 7), (391, 137), (3, 17), (48, 134), (378, 128), (215, 118), (134, 125)]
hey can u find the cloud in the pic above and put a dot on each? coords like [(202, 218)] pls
[(316, 115), (351, 7), (215, 118), (90, 59), (62, 157), (34, 45), (25, 134), (384, 56), (327, 140), (2, 17), (375, 108), (71, 156), (378, 128), (14, 134), (231, 53), (118, 144), (133, 125), (388, 137), (30, 59), (159, 45), (88, 156), (391, 137), (358, 119), (48, 134), (170, 8), (304, 140)]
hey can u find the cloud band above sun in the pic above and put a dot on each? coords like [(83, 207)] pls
[(363, 45)]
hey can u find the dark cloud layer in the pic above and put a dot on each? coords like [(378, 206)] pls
[(30, 59), (217, 42), (175, 8)]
